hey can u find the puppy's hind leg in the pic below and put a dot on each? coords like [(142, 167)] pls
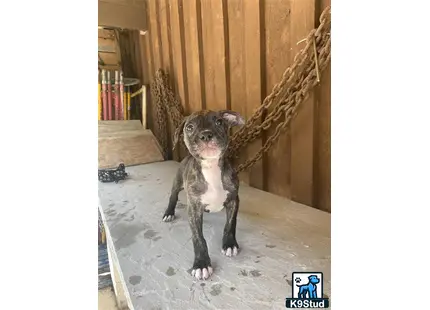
[(177, 186)]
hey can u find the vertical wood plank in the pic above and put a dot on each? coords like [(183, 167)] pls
[(253, 80), (322, 174), (302, 126), (155, 47), (322, 132), (167, 65), (278, 58), (146, 38), (164, 23), (237, 65), (155, 35), (245, 73), (179, 59), (191, 11), (148, 80), (214, 54)]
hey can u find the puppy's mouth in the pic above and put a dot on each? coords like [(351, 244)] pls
[(210, 149)]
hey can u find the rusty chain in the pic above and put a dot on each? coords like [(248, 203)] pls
[(167, 106), (294, 87), (161, 132)]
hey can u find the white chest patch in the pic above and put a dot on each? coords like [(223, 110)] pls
[(215, 195)]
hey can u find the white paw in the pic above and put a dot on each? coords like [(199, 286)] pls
[(202, 274), (168, 218), (230, 252)]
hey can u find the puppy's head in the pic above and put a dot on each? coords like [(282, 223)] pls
[(206, 132), (313, 279)]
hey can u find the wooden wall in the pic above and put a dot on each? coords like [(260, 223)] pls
[(229, 54)]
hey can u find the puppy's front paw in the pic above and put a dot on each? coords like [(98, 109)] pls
[(169, 214), (230, 247), (202, 273), (230, 251), (168, 217), (202, 269)]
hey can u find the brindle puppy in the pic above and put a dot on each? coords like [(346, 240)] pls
[(209, 180)]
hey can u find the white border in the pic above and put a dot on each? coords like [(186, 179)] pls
[(49, 155), (380, 153)]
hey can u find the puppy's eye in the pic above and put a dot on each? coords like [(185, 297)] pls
[(218, 122), (190, 127)]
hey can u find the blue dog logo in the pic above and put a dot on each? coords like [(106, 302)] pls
[(309, 290), (309, 295)]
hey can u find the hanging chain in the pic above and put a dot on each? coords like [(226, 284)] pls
[(295, 86)]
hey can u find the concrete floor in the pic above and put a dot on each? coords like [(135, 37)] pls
[(276, 237), (107, 299)]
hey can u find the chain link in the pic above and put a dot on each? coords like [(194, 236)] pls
[(294, 87)]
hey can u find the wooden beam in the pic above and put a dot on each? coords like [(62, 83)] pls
[(322, 131), (278, 57), (254, 64), (194, 63), (214, 54), (302, 126)]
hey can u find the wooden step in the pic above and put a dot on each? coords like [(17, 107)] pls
[(115, 126), (126, 142)]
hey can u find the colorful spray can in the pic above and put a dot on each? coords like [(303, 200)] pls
[(104, 95), (109, 93), (117, 96), (122, 101), (99, 101), (128, 102)]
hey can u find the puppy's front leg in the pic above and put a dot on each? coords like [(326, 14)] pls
[(202, 268), (177, 186), (229, 243)]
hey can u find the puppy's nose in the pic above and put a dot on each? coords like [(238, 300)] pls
[(206, 136)]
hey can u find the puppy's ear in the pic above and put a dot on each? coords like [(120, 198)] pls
[(178, 132), (232, 118)]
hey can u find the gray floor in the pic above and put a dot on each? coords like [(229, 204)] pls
[(276, 237)]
